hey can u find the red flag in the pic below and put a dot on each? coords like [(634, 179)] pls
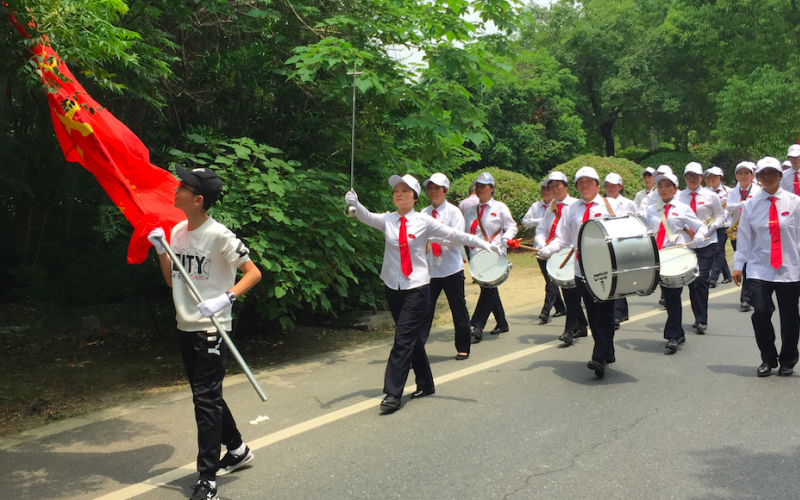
[(92, 136)]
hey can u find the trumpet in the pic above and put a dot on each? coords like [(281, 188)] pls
[(731, 231), (709, 221)]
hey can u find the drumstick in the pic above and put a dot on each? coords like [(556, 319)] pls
[(526, 247), (567, 259), (687, 244)]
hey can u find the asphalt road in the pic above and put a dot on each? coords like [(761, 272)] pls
[(522, 418)]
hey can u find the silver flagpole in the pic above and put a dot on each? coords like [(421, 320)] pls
[(232, 348), (351, 210)]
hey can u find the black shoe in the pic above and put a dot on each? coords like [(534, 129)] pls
[(712, 284), (390, 403), (558, 314), (661, 302), (681, 340), (580, 333), (421, 393), (599, 367), (499, 329), (204, 491), (566, 337), (785, 371), (764, 370), (477, 335), (610, 360), (616, 324), (701, 328), (672, 345), (460, 356), (625, 318), (231, 462), (726, 281), (744, 307), (544, 318)]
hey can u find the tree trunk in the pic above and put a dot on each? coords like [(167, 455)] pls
[(653, 138), (605, 131)]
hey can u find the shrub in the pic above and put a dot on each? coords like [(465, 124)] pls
[(633, 153), (628, 170), (714, 154), (675, 159)]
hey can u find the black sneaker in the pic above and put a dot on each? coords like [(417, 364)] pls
[(231, 462), (204, 491)]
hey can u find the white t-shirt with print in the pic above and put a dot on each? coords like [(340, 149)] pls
[(211, 254)]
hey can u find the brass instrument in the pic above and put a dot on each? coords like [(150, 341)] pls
[(709, 221), (732, 230)]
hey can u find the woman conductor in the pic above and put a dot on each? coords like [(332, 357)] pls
[(406, 279)]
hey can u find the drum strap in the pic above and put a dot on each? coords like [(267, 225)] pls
[(480, 224), (608, 206)]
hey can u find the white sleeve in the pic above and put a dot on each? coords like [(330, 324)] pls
[(370, 218)]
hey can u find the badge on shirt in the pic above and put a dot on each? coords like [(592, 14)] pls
[(493, 214), (412, 236), (702, 203), (597, 215), (784, 214), (674, 214)]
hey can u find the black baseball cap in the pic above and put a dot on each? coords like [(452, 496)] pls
[(204, 180)]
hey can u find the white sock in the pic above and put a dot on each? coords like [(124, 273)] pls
[(239, 451), (213, 484)]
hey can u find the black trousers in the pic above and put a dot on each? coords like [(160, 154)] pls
[(673, 329), (744, 296), (453, 287), (720, 265), (205, 357), (698, 290), (552, 294), (620, 309), (763, 307), (409, 309), (489, 303), (601, 321), (576, 320)]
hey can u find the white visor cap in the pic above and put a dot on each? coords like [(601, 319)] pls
[(648, 170), (408, 179), (557, 176), (485, 178), (664, 169), (613, 178), (794, 151), (669, 177), (586, 172), (693, 168), (715, 171), (438, 179), (768, 162)]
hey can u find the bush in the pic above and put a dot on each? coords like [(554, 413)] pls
[(675, 159), (713, 154), (628, 170), (633, 153), (515, 190)]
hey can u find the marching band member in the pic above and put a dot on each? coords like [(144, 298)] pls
[(678, 217), (649, 185), (769, 242), (745, 190), (491, 220), (613, 186), (576, 323), (720, 266), (406, 278), (706, 205), (790, 180), (786, 165), (600, 314), (446, 265), (552, 294), (652, 196)]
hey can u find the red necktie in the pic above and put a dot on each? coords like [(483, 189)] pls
[(587, 213), (796, 185), (662, 231), (693, 204), (435, 247), (405, 254), (474, 226), (775, 253), (555, 224)]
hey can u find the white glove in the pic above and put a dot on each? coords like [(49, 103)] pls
[(494, 247), (210, 307), (544, 254), (155, 239), (351, 198), (699, 238)]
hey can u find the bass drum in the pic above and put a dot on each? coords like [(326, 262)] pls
[(489, 269), (618, 257), (562, 275)]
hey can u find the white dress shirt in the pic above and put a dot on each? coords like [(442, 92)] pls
[(735, 201), (572, 220), (543, 229), (708, 207), (787, 183), (753, 243), (468, 203), (650, 199), (680, 217), (449, 261), (723, 192), (641, 195), (624, 206), (496, 220), (419, 229), (534, 214)]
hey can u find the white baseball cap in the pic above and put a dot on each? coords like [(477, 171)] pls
[(670, 177), (485, 178), (613, 178), (648, 170), (545, 183), (586, 172), (408, 179), (768, 162), (715, 171), (787, 164), (794, 150), (438, 179), (664, 169), (748, 165), (557, 176), (693, 168)]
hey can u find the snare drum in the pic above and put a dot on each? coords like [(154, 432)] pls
[(562, 276), (678, 267), (618, 257), (489, 269)]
